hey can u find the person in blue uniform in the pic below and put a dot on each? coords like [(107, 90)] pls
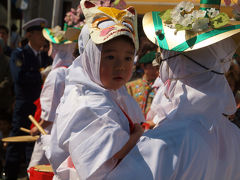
[(25, 65)]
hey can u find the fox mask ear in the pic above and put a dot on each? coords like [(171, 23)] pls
[(88, 4), (131, 10)]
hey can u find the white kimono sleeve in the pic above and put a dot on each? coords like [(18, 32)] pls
[(92, 130), (51, 93)]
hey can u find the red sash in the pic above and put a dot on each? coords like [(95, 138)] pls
[(131, 126), (38, 111)]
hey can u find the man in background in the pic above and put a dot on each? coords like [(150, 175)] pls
[(4, 34), (25, 65)]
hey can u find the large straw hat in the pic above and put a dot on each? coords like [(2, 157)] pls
[(186, 29), (58, 36)]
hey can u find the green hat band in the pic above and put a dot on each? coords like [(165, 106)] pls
[(190, 42), (54, 39), (208, 4)]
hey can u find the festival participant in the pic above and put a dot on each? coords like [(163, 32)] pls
[(97, 121), (25, 65), (193, 138), (141, 89), (53, 87)]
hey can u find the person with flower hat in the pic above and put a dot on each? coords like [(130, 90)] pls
[(193, 138), (61, 51), (141, 89)]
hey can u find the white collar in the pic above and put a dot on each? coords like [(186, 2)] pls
[(34, 51)]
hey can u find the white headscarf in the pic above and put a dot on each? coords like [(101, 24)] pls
[(190, 88), (63, 54), (82, 40), (85, 70)]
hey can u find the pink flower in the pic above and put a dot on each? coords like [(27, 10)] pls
[(72, 17), (121, 4)]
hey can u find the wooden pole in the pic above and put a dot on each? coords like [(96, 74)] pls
[(56, 12), (25, 130), (9, 19)]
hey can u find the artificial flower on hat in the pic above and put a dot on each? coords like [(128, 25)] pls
[(185, 28)]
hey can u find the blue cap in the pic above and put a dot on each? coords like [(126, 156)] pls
[(36, 24)]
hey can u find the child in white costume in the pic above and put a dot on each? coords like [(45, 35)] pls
[(52, 91), (93, 120)]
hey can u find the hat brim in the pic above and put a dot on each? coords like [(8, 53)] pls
[(171, 40), (48, 35), (72, 34)]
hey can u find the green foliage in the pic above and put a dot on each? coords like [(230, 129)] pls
[(181, 27), (220, 20), (166, 16)]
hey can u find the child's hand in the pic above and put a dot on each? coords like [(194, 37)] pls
[(151, 124), (34, 131), (138, 130)]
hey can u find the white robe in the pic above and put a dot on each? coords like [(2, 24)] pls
[(51, 93), (94, 129), (193, 139)]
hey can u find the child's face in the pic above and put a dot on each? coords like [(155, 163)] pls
[(116, 63), (151, 72)]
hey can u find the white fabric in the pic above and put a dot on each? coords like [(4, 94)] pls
[(193, 140), (193, 80), (54, 153), (54, 84), (51, 93), (66, 173), (38, 155), (83, 39), (89, 125), (62, 54)]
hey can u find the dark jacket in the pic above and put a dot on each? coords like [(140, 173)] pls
[(5, 84), (25, 69)]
